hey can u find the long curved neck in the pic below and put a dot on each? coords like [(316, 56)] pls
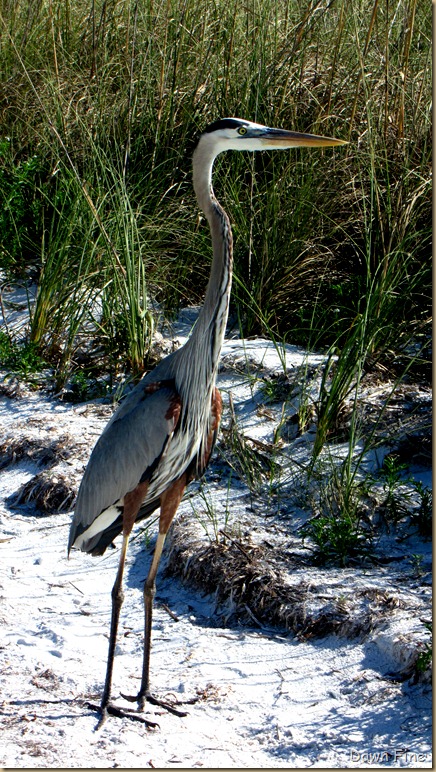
[(212, 320)]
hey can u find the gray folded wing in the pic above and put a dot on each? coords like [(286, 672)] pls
[(128, 450)]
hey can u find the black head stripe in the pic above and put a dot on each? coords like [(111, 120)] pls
[(226, 123)]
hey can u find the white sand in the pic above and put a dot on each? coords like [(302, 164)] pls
[(267, 699)]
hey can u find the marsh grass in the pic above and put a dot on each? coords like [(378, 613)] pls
[(338, 530), (240, 455), (101, 103)]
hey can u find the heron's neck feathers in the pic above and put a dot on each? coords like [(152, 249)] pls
[(212, 320), (195, 365)]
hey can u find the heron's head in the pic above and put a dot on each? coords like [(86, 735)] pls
[(239, 134)]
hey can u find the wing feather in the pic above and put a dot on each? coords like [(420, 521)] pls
[(128, 450)]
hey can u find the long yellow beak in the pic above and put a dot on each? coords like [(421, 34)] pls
[(281, 138)]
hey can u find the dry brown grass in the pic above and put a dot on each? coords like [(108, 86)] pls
[(40, 451), (48, 492), (250, 585)]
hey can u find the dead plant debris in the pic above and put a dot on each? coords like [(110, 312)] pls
[(50, 493), (40, 451), (250, 587), (46, 680)]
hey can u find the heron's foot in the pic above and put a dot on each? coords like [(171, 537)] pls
[(103, 716), (141, 699), (114, 710)]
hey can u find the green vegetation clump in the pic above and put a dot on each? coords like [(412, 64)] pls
[(101, 104), (350, 513), (22, 359)]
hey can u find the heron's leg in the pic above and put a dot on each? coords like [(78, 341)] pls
[(132, 503), (149, 593), (117, 602), (169, 502)]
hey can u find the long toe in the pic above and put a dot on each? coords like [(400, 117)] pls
[(114, 710), (130, 697), (162, 704), (141, 699)]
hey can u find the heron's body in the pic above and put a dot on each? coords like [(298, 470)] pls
[(162, 435), (178, 447)]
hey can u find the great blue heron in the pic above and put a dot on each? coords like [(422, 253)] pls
[(162, 435)]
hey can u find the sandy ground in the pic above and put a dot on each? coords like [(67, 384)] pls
[(261, 697)]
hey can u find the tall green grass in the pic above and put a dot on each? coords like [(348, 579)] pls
[(104, 99)]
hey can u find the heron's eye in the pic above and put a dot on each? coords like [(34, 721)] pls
[(242, 130)]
